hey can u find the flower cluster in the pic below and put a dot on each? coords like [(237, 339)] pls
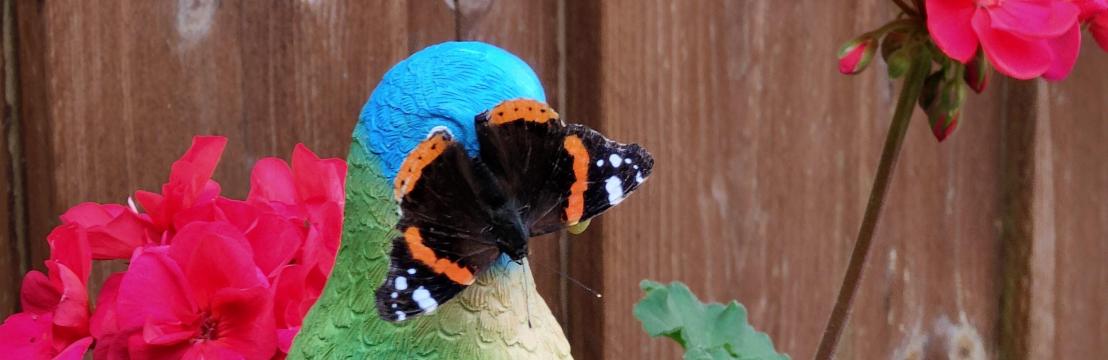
[(208, 276), (1022, 39)]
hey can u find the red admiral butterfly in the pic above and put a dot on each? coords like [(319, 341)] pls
[(533, 175)]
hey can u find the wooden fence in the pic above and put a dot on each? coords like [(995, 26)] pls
[(993, 240)]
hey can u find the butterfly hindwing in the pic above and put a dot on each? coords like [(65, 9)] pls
[(414, 285), (444, 244)]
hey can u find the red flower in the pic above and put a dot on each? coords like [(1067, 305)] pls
[(209, 276), (189, 183), (55, 317), (114, 231), (311, 193), (1023, 39), (201, 296)]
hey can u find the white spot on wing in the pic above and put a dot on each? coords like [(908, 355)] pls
[(400, 316), (600, 162), (615, 190), (423, 297), (401, 283), (411, 271), (638, 177), (394, 305), (627, 161), (394, 295), (615, 160)]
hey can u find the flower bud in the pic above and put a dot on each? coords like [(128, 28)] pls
[(945, 107), (856, 54), (977, 73)]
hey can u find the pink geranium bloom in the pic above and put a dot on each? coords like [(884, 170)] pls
[(189, 183), (1023, 39), (200, 297), (55, 317), (114, 230), (312, 193)]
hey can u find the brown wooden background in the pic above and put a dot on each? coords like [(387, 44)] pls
[(995, 241)]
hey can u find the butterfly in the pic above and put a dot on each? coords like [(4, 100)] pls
[(532, 175)]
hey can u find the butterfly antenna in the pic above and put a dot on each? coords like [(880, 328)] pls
[(527, 291), (574, 281)]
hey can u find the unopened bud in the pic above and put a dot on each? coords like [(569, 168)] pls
[(856, 54), (977, 73)]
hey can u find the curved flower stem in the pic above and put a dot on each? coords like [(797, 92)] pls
[(909, 94)]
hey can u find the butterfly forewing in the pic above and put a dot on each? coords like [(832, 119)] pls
[(444, 244)]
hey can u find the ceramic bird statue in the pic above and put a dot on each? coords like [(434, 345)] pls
[(446, 183)]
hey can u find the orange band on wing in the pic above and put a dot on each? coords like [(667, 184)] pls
[(521, 109), (412, 168), (420, 252), (575, 206)]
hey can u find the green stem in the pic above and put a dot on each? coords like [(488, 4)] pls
[(905, 8), (909, 94)]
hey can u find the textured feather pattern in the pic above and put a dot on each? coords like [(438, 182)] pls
[(489, 320)]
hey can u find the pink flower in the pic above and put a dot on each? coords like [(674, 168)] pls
[(55, 317), (856, 55), (311, 193), (200, 297), (114, 231), (189, 183), (208, 277), (1023, 39)]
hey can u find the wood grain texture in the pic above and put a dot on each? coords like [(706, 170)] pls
[(529, 30), (764, 157), (12, 251), (1077, 124)]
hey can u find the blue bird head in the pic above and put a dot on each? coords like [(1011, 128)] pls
[(443, 85)]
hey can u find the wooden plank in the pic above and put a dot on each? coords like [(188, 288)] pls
[(583, 254), (764, 159), (1076, 243), (114, 92), (528, 29), (11, 250)]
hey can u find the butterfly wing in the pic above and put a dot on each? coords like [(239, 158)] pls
[(444, 243), (561, 174)]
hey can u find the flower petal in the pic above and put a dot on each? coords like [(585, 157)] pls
[(948, 21), (76, 350), (245, 321), (275, 240), (24, 336), (1099, 29), (1034, 19), (38, 295), (69, 246), (317, 180), (1010, 54), (72, 308), (271, 180), (154, 289), (103, 321), (214, 256), (1064, 50)]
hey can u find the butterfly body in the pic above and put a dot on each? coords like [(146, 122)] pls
[(533, 175)]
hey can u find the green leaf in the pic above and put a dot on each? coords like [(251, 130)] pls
[(706, 331)]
